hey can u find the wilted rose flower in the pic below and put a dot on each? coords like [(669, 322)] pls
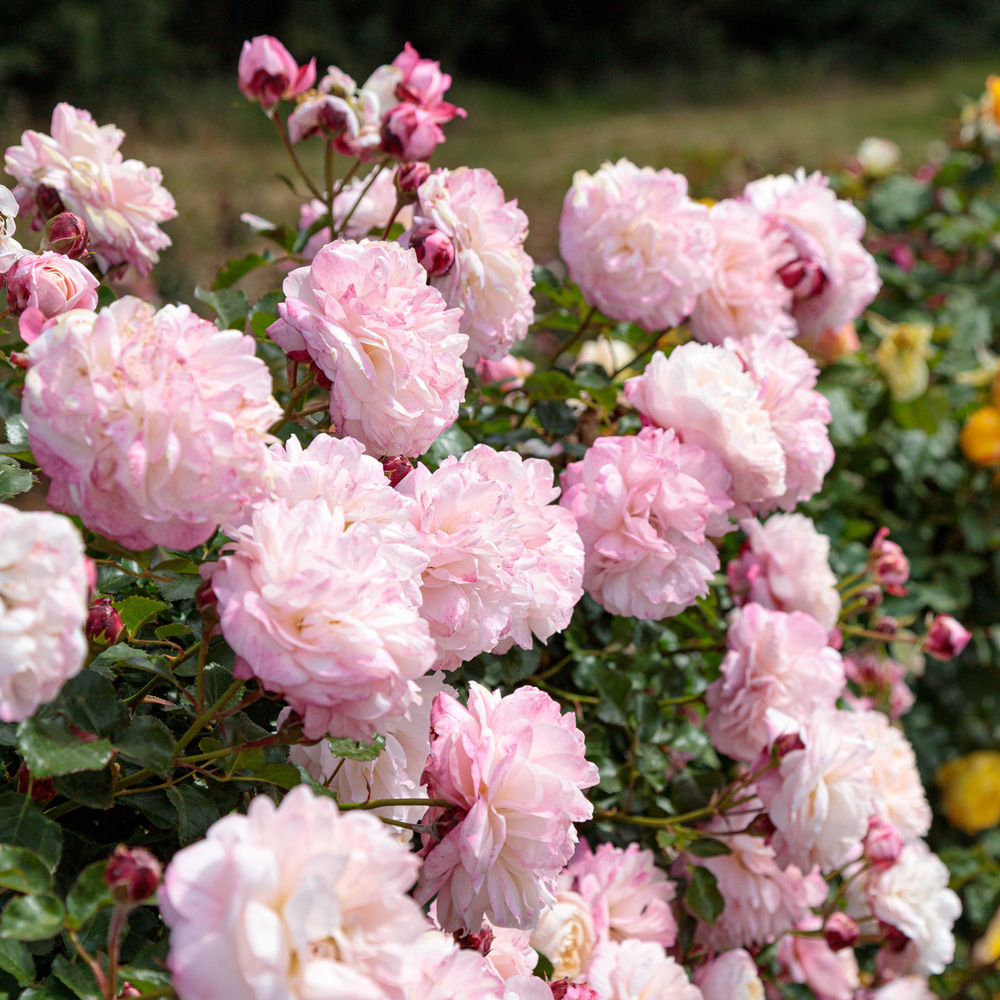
[(704, 394), (268, 73), (836, 276), (513, 769), (946, 638), (490, 279), (565, 935), (290, 898), (730, 976), (325, 615), (323, 114), (151, 424), (10, 249), (44, 586), (121, 201), (785, 565), (639, 970), (745, 296), (639, 248), (437, 969), (902, 355), (776, 662), (384, 338), (50, 283)]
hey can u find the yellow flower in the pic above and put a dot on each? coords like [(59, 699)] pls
[(992, 96), (980, 437), (970, 790), (903, 355), (987, 948)]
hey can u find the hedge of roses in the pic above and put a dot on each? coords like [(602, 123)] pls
[(439, 625)]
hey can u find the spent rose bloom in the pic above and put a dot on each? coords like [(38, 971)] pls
[(121, 201), (822, 795), (329, 115), (832, 277), (51, 284), (437, 969), (703, 394), (730, 976), (745, 296), (899, 794), (44, 590), (639, 970), (627, 894), (288, 899), (151, 424), (10, 249), (565, 935), (786, 378), (372, 325), (513, 769), (396, 772), (639, 248), (490, 279), (785, 565), (645, 507), (324, 614), (776, 662), (268, 73)]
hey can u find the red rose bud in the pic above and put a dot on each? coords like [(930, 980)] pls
[(42, 789), (397, 468), (803, 277), (132, 874), (895, 939), (841, 931), (946, 638), (66, 234), (883, 844), (887, 625), (411, 175), (888, 564), (563, 989), (128, 990), (204, 597), (48, 201), (761, 826), (787, 743), (872, 596), (104, 625), (434, 250), (481, 942)]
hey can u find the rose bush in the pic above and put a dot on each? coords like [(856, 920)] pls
[(427, 670)]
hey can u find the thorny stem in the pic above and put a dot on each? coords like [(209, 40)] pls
[(119, 917), (95, 966), (392, 218), (328, 178)]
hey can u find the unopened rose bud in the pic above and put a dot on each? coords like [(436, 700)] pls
[(48, 201), (434, 250), (887, 625), (43, 790), (290, 728), (883, 844), (946, 638), (888, 564), (397, 468), (895, 939), (104, 625), (563, 989), (481, 942), (128, 990), (841, 931), (268, 73), (204, 598), (804, 277), (132, 874), (410, 132), (872, 596), (411, 175), (761, 826), (786, 744), (67, 234)]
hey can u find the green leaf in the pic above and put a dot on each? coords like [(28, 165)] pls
[(551, 385), (78, 978), (48, 989), (308, 779), (137, 610), (23, 870), (282, 775), (556, 417), (17, 430), (49, 748), (32, 918), (238, 267), (89, 895), (93, 789), (148, 743), (229, 304), (708, 847), (702, 895), (16, 960), (24, 824), (453, 441), (105, 296), (13, 479), (196, 811), (90, 703), (171, 630), (353, 750)]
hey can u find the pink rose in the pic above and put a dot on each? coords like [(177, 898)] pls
[(410, 132), (424, 84), (946, 638), (50, 283), (639, 970), (437, 969), (510, 372), (268, 73), (888, 564), (831, 975), (730, 976), (67, 234)]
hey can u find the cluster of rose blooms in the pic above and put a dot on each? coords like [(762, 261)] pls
[(353, 580)]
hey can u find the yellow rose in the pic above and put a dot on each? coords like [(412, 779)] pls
[(993, 96), (987, 948), (980, 437), (903, 355), (970, 790)]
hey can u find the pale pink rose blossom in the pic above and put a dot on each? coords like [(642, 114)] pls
[(762, 901), (384, 338), (44, 591), (703, 394), (328, 115), (730, 976), (904, 988), (423, 83), (785, 565), (899, 794), (822, 795), (437, 969), (289, 899), (509, 371), (513, 769), (913, 897), (639, 248), (325, 615), (830, 975), (786, 379), (527, 988), (646, 507), (372, 102), (490, 279), (121, 201), (268, 73), (565, 935), (629, 896), (49, 284), (746, 296), (639, 970), (10, 249), (151, 424), (510, 953), (946, 638), (833, 277), (410, 132), (776, 661), (397, 771)]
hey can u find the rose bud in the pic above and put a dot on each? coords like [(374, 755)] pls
[(786, 744), (42, 789), (409, 132), (481, 942), (128, 990), (51, 283), (946, 638), (48, 201), (411, 175), (104, 625), (804, 277), (563, 989), (883, 844), (66, 234), (397, 468), (761, 826), (132, 874), (888, 564), (204, 597), (268, 73), (841, 931), (434, 250), (895, 939), (887, 625)]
